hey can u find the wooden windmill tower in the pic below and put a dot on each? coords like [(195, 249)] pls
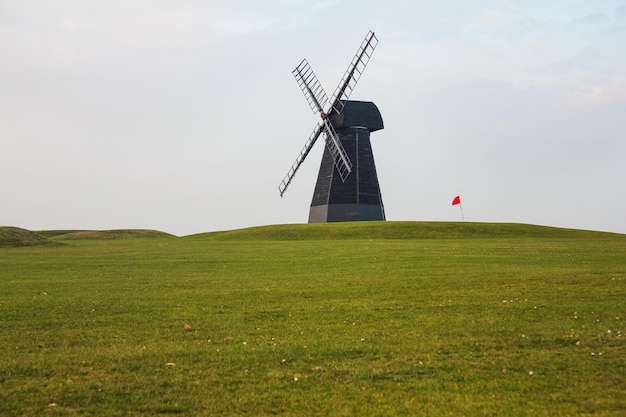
[(347, 186)]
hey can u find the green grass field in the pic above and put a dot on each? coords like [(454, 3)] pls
[(356, 319)]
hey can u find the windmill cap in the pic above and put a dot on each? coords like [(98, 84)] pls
[(358, 114)]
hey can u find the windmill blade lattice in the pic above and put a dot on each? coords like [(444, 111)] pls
[(303, 153), (310, 86), (354, 72), (335, 147)]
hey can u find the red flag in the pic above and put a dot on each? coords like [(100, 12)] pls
[(457, 200)]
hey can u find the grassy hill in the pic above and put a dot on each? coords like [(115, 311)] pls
[(394, 318), (17, 237), (14, 236), (103, 234), (396, 230)]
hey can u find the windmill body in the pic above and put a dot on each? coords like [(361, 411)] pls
[(358, 198), (347, 186)]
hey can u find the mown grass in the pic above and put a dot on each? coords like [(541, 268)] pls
[(341, 319)]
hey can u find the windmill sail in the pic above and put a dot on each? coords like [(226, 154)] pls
[(354, 71), (303, 153), (310, 86), (339, 154)]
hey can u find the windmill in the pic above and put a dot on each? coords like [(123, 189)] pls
[(347, 186)]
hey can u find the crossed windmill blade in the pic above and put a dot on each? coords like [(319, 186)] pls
[(318, 100)]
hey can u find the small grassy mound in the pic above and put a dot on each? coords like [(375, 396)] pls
[(104, 234), (392, 230), (14, 236)]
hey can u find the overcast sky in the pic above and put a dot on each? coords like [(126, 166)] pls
[(183, 116)]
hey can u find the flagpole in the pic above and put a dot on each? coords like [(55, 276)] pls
[(462, 216)]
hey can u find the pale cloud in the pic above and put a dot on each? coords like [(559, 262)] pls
[(582, 61), (248, 17), (585, 99), (592, 18)]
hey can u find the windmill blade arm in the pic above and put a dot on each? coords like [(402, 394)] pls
[(340, 156), (354, 72), (305, 151), (310, 86)]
